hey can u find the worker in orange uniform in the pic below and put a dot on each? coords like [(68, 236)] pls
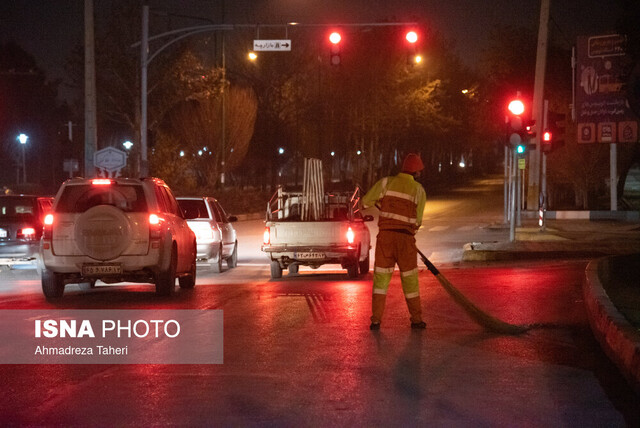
[(401, 201)]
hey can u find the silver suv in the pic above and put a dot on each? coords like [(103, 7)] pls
[(116, 230)]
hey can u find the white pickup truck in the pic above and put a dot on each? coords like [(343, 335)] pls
[(336, 233)]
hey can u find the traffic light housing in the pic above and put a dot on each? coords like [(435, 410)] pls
[(514, 121), (529, 128), (519, 130), (335, 39), (546, 142), (556, 126), (411, 38)]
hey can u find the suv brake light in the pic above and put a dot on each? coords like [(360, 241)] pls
[(101, 182), (154, 226), (48, 226), (265, 236)]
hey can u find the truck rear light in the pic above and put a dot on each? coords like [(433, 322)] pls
[(351, 236), (265, 236), (155, 222), (28, 233), (203, 231), (48, 226)]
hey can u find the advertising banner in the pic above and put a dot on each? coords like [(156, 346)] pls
[(602, 111)]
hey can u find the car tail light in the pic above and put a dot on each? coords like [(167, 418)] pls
[(48, 226), (203, 231), (351, 236), (101, 182), (266, 236), (155, 222), (28, 233)]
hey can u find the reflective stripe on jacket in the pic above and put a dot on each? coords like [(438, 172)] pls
[(401, 200)]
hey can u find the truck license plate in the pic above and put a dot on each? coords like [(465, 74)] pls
[(309, 256), (101, 269)]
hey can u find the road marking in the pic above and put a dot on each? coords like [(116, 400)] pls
[(438, 228)]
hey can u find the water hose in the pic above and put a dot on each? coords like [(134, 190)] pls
[(478, 315)]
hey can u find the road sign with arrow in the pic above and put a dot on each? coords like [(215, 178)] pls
[(272, 45)]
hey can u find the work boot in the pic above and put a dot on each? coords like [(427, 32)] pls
[(377, 308), (415, 309), (419, 325)]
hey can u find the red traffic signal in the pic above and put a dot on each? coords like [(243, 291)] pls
[(411, 36), (547, 141), (516, 107), (335, 38)]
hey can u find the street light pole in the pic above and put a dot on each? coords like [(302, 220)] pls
[(144, 53)]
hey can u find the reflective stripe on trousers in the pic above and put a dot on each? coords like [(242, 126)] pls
[(391, 248)]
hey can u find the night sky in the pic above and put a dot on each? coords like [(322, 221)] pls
[(48, 29)]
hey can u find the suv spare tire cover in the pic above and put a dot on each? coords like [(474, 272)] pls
[(103, 232)]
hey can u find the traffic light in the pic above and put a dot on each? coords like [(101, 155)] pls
[(556, 125), (411, 37), (514, 122), (519, 130), (529, 128), (546, 142), (335, 38)]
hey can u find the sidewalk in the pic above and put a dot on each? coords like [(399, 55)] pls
[(561, 238), (611, 287)]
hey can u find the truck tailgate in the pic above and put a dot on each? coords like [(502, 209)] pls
[(308, 233)]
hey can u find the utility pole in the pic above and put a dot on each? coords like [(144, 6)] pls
[(144, 62), (90, 120), (533, 189)]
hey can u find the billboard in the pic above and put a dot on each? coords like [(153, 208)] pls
[(602, 111)]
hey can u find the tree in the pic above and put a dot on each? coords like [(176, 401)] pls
[(194, 129), (28, 105)]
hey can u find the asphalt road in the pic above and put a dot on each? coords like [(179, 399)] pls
[(298, 351)]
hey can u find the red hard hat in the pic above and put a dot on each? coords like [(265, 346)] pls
[(412, 163)]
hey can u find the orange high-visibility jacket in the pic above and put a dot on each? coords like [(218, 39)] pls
[(401, 200)]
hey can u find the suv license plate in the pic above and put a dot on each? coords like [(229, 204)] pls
[(309, 256), (101, 269)]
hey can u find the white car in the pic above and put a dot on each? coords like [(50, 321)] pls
[(116, 230), (215, 235)]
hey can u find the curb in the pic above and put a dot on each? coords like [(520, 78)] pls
[(617, 337), (585, 215), (491, 256)]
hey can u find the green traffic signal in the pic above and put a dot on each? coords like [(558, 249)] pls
[(520, 149)]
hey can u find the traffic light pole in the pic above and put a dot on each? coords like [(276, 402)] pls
[(514, 190), (543, 181), (533, 191), (506, 184)]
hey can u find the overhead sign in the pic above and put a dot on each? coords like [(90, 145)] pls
[(272, 45)]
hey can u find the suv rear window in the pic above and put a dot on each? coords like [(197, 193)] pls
[(79, 198), (16, 208)]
